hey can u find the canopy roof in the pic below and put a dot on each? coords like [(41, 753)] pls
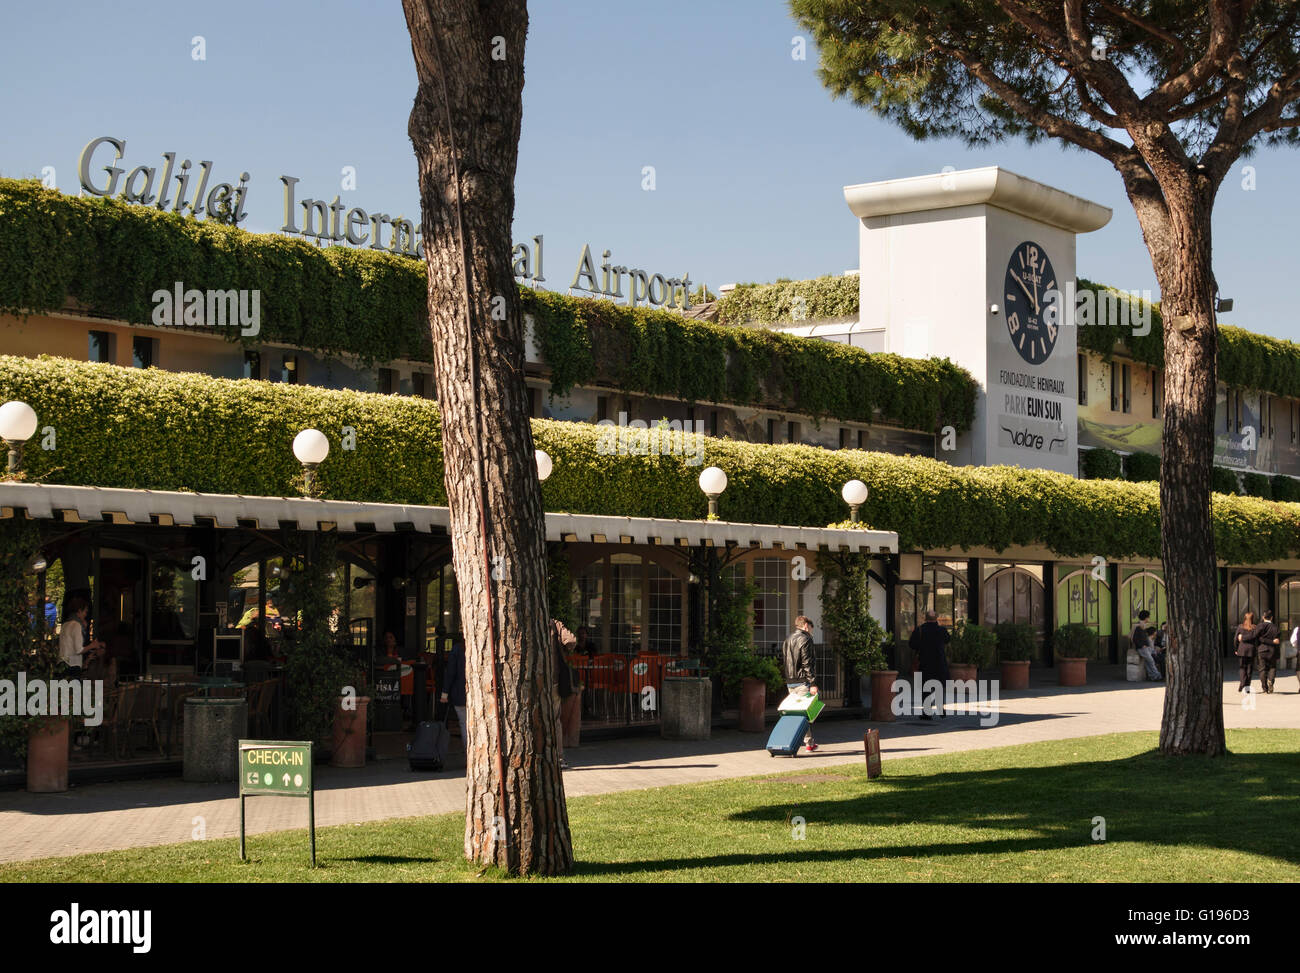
[(87, 504)]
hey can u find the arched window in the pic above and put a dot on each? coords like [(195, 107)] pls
[(1249, 593), (1014, 593), (942, 590), (1288, 602), (1083, 599)]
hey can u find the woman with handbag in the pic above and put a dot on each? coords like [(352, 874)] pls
[(1247, 642)]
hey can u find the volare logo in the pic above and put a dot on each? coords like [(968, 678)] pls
[(1041, 437), (75, 927)]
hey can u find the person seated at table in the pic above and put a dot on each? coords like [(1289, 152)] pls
[(585, 645), (391, 649)]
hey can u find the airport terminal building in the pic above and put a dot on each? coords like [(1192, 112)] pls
[(971, 266)]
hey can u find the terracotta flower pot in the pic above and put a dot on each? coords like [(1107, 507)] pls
[(882, 695), (47, 756), (753, 703), (963, 670), (1015, 673), (1072, 672), (349, 740)]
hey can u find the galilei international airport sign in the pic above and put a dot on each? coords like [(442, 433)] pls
[(187, 190)]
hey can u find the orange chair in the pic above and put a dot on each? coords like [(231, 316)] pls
[(645, 671), (609, 679)]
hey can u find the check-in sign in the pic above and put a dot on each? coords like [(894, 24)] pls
[(276, 768), (268, 767)]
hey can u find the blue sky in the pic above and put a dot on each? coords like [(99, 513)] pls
[(750, 153)]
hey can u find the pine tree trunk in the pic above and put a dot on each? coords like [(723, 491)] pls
[(1193, 715), (473, 53)]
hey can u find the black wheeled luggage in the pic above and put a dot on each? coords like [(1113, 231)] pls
[(428, 750)]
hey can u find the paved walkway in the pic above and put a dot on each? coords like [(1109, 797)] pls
[(103, 817)]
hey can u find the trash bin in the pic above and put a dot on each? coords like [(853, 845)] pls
[(685, 708), (213, 729)]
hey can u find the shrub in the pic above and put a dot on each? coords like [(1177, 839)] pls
[(1223, 480), (846, 611), (1075, 641), (1286, 488), (791, 301), (971, 644), (1099, 464), (1257, 485), (1141, 467), (1015, 641)]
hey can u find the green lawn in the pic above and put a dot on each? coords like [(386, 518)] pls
[(1011, 814)]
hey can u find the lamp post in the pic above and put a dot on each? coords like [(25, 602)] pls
[(713, 482), (310, 447), (855, 495), (17, 425), (544, 464)]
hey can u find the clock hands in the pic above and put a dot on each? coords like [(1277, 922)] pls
[(1032, 297)]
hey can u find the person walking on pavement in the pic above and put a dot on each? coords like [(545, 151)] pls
[(1247, 641), (1268, 648), (927, 643), (797, 657)]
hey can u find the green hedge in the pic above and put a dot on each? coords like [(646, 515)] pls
[(665, 354), (124, 427), (1257, 485), (1285, 488), (111, 257), (1246, 360), (789, 301), (1099, 464), (1141, 467), (1223, 480)]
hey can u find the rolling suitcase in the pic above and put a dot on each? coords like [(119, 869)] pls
[(428, 749), (787, 735)]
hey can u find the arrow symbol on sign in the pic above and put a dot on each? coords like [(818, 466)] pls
[(286, 780)]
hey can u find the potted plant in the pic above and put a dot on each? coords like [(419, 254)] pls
[(1015, 641), (882, 682), (747, 677), (969, 650), (26, 647), (859, 638), (1075, 644)]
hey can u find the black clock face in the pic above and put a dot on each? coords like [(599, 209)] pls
[(1029, 277)]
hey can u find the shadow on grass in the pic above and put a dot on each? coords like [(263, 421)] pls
[(1233, 804)]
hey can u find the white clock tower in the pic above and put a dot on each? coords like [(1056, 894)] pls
[(958, 265)]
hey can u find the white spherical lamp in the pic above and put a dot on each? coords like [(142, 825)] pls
[(17, 425), (855, 495), (544, 464), (713, 482), (311, 447)]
